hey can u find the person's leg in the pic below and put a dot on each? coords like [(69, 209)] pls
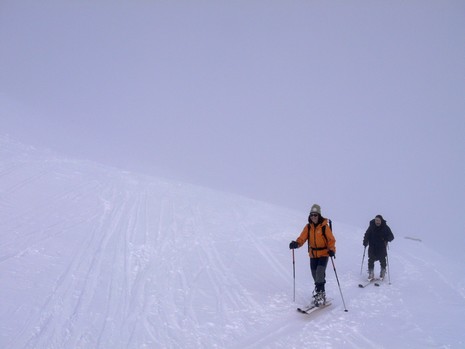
[(382, 262), (371, 268), (313, 267), (320, 273)]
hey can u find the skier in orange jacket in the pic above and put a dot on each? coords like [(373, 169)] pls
[(321, 245)]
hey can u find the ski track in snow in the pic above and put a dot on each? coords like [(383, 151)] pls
[(92, 257)]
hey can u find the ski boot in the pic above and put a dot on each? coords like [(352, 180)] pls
[(319, 298), (382, 273)]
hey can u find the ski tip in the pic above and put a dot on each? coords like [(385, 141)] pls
[(300, 310)]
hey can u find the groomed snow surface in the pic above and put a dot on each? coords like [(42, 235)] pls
[(95, 257)]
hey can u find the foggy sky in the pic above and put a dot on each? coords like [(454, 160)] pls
[(357, 105)]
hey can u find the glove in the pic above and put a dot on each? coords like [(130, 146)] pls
[(365, 244), (293, 245), (331, 253)]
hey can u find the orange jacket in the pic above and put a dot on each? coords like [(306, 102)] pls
[(319, 246)]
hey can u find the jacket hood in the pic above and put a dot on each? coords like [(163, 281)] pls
[(372, 223)]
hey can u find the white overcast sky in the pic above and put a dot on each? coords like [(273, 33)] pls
[(356, 105)]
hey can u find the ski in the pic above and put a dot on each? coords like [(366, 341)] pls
[(365, 284), (312, 308), (372, 281)]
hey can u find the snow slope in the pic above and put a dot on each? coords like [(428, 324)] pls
[(95, 257)]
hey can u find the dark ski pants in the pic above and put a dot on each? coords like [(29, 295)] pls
[(318, 268), (372, 260)]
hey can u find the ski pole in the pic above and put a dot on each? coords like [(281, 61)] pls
[(363, 258), (340, 291), (387, 260), (293, 267)]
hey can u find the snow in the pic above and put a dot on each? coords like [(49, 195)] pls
[(96, 257)]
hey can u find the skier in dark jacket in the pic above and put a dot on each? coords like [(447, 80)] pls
[(377, 237)]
